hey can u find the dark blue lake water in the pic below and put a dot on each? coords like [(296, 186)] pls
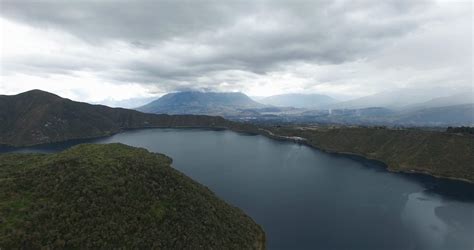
[(308, 199)]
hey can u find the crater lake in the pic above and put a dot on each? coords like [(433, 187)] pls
[(308, 199)]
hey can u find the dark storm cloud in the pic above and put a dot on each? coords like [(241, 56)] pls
[(135, 21), (184, 40)]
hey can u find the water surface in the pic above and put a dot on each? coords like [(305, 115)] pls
[(308, 199)]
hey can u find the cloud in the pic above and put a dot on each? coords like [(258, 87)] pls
[(134, 21), (266, 47)]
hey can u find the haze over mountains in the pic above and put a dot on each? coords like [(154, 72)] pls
[(401, 107), (36, 116), (310, 101), (450, 100), (128, 103), (462, 114), (404, 98)]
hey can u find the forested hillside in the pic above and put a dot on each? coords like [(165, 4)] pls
[(113, 196)]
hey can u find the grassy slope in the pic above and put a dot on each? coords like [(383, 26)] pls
[(113, 196), (439, 154)]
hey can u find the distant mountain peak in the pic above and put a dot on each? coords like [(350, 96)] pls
[(199, 102), (37, 117)]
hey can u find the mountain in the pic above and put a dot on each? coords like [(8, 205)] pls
[(396, 99), (209, 103), (451, 100), (36, 117), (113, 196), (456, 115), (308, 101)]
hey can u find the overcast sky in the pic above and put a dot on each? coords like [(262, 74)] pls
[(99, 51)]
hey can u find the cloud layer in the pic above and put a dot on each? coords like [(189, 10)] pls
[(141, 48)]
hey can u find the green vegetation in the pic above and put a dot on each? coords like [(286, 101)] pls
[(38, 117), (436, 153), (111, 196)]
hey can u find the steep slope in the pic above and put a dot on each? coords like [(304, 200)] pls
[(440, 154), (298, 100), (113, 196), (36, 117), (210, 103)]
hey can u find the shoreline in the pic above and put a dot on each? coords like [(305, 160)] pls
[(260, 131), (25, 145), (305, 142)]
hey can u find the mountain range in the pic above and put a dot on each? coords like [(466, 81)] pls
[(449, 100), (409, 98), (462, 114), (399, 107), (37, 117)]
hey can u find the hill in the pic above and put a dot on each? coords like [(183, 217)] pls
[(439, 154), (36, 117), (309, 101), (209, 103), (113, 196)]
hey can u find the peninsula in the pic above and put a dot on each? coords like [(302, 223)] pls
[(113, 196)]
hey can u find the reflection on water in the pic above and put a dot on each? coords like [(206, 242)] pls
[(419, 215), (441, 225), (307, 199)]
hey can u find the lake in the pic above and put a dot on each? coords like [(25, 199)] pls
[(308, 199)]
